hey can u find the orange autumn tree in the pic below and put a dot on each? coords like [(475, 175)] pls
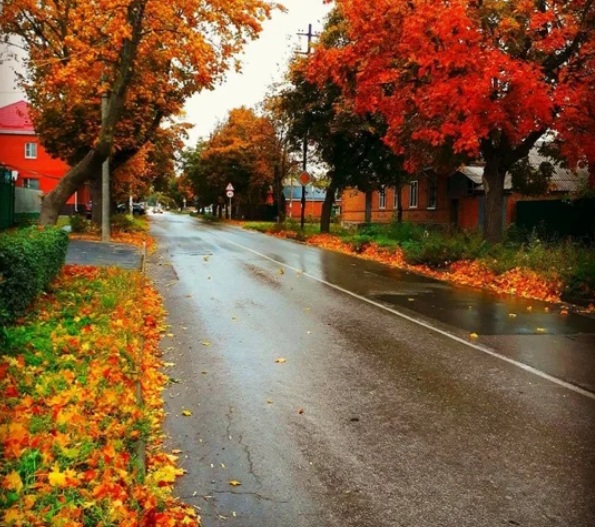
[(151, 167), (145, 56), (483, 79), (246, 152)]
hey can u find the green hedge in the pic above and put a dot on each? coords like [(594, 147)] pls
[(30, 258)]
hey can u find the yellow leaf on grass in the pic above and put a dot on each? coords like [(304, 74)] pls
[(166, 474), (234, 483), (473, 336), (13, 517), (280, 360), (12, 481), (186, 413), (57, 478)]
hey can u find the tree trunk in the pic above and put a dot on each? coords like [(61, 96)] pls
[(327, 207), (493, 181), (90, 165), (368, 212), (398, 190), (68, 185)]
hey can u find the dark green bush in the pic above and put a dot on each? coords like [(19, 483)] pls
[(26, 218), (30, 258), (79, 223)]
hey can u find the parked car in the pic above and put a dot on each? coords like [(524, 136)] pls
[(157, 209), (137, 208)]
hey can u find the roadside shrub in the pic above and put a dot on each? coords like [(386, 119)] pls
[(434, 251), (359, 242), (30, 259), (79, 223), (405, 231), (210, 218), (582, 280), (126, 223), (26, 218)]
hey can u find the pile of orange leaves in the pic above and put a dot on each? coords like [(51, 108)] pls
[(81, 408), (521, 282)]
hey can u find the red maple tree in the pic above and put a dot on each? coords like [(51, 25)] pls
[(481, 78)]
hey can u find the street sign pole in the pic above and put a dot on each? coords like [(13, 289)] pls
[(309, 35), (229, 194)]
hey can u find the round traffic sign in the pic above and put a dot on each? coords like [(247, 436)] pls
[(229, 193)]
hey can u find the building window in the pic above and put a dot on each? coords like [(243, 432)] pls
[(31, 183), (30, 150), (382, 198), (413, 194), (432, 193)]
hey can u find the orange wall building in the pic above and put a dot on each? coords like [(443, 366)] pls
[(21, 150)]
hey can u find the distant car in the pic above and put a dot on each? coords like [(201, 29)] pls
[(137, 208), (157, 209)]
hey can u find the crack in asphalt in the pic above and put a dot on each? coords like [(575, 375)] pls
[(244, 446), (250, 463)]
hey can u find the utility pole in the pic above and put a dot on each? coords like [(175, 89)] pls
[(105, 200), (309, 35)]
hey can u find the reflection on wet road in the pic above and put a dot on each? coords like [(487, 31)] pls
[(380, 413)]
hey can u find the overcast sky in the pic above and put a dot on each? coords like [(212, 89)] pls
[(263, 63)]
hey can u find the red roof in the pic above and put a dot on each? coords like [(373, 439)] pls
[(15, 118)]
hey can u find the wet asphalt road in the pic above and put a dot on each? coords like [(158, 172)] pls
[(383, 413)]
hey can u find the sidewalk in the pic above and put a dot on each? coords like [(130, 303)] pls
[(82, 252)]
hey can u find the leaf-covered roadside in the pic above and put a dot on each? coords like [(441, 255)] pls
[(546, 282), (72, 428)]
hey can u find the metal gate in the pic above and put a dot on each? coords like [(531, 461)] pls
[(6, 198)]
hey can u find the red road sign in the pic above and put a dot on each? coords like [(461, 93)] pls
[(304, 178)]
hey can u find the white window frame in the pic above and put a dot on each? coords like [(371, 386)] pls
[(396, 198), (432, 182), (30, 150), (382, 198), (413, 203)]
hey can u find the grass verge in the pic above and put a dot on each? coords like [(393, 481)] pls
[(70, 419), (522, 265)]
